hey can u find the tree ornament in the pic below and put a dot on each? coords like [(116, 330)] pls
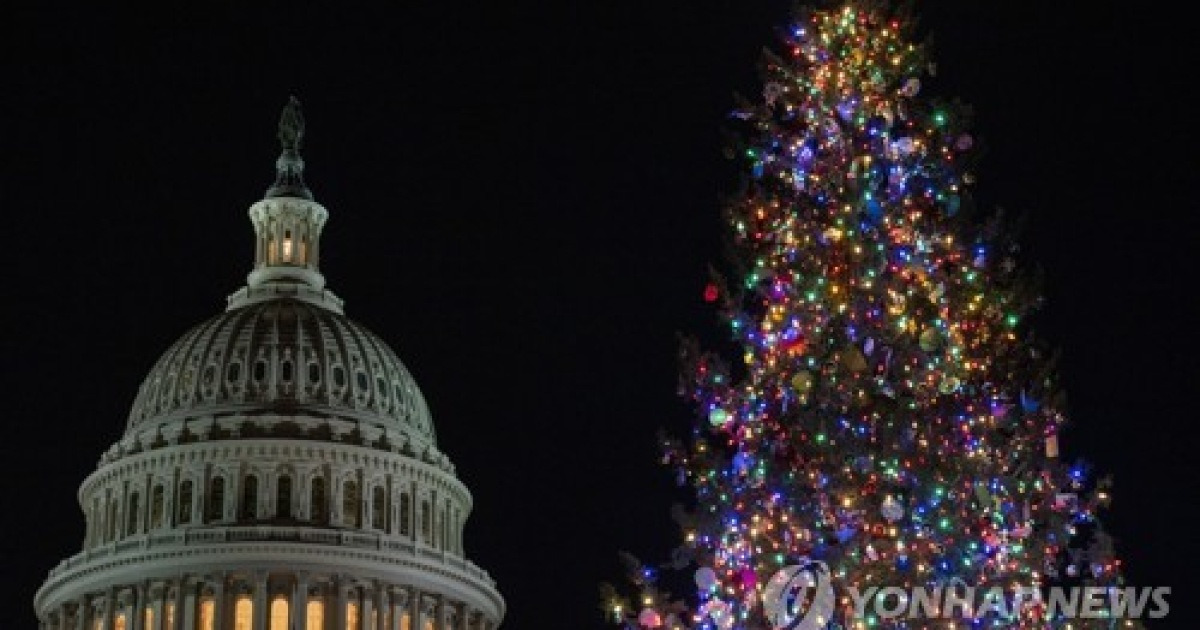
[(1052, 446), (718, 417), (854, 360), (719, 611), (711, 293), (802, 382), (949, 385), (649, 618), (964, 142), (911, 87), (748, 579), (891, 510), (931, 339), (705, 578)]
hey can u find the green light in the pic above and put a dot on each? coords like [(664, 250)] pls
[(1011, 320)]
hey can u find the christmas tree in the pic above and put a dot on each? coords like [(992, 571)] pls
[(891, 417)]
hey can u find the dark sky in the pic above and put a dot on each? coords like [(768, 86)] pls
[(524, 199)]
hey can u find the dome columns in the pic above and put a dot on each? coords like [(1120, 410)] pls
[(261, 600), (287, 242)]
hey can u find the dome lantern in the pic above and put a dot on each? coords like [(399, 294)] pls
[(287, 229)]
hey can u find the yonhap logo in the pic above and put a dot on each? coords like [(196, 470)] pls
[(799, 596)]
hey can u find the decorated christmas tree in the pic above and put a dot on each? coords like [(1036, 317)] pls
[(891, 417)]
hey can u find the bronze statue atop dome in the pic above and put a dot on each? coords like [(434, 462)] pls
[(289, 168)]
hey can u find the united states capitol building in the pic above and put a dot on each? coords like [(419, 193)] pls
[(279, 470)]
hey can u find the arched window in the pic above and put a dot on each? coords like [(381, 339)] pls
[(95, 522), (315, 614), (350, 504), (112, 521), (320, 511), (156, 507), (283, 497), (378, 508), (208, 614), (216, 499), (279, 613), (285, 371), (185, 502), (352, 620), (287, 246), (243, 613), (405, 514), (426, 523), (444, 543), (131, 516), (250, 497)]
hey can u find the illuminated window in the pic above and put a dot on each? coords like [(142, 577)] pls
[(156, 507), (428, 625), (216, 499), (317, 498), (169, 616), (352, 616), (283, 497), (243, 613), (315, 615), (119, 623), (279, 613), (350, 504), (98, 621), (185, 502), (378, 508), (208, 614), (405, 621), (287, 246), (250, 497), (148, 618), (405, 514)]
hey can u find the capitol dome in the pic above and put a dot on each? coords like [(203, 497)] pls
[(279, 470), (277, 355)]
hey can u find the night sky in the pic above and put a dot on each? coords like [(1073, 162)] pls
[(524, 200)]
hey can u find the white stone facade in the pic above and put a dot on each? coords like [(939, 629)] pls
[(279, 471)]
